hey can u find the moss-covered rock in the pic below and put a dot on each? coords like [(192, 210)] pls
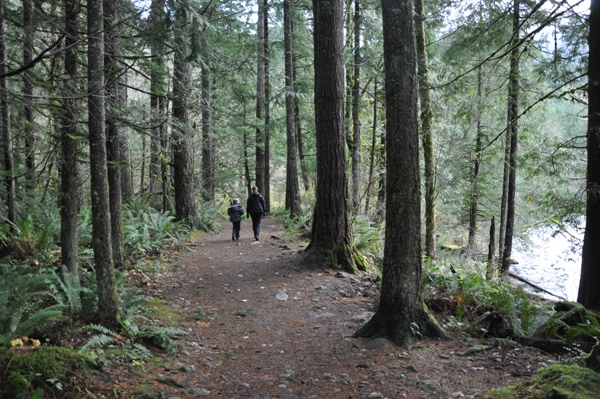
[(554, 382), (43, 370)]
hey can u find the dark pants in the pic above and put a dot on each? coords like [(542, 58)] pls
[(256, 217), (237, 226)]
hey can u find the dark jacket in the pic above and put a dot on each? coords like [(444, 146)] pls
[(235, 213), (256, 204)]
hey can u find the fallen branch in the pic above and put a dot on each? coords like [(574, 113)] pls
[(537, 287)]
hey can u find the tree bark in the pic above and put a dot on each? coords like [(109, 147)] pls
[(356, 111), (70, 112), (373, 153), (183, 163), (589, 295), (260, 99), (245, 144), (401, 316), (491, 269), (114, 103), (267, 180), (513, 112), (101, 241), (381, 197), (28, 120), (157, 100), (298, 125), (426, 133), (474, 200), (292, 192), (208, 177), (331, 241), (9, 167)]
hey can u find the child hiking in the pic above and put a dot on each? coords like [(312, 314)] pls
[(235, 212)]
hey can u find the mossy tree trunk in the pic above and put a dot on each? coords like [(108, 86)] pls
[(426, 131)]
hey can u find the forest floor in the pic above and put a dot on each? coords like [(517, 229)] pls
[(245, 341)]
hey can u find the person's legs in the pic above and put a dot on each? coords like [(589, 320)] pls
[(237, 227), (256, 223)]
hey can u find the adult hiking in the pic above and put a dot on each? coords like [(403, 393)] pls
[(256, 207), (235, 212)]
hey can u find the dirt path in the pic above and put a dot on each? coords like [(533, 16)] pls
[(244, 342)]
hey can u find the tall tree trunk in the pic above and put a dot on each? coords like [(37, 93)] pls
[(9, 167), (165, 167), (381, 194), (245, 144), (356, 111), (474, 200), (348, 70), (183, 163), (124, 154), (298, 128), (28, 131), (267, 184), (157, 101), (114, 103), (512, 131), (69, 119), (426, 133), (292, 192), (373, 150), (589, 295), (331, 239), (260, 99), (491, 269), (208, 177), (101, 241), (401, 308)]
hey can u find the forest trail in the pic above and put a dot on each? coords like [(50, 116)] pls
[(246, 340)]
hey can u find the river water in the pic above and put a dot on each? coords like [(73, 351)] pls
[(550, 259)]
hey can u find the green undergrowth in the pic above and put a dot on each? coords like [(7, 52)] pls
[(45, 372), (556, 382)]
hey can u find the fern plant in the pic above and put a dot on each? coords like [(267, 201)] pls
[(26, 304), (146, 230), (368, 239), (208, 216)]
